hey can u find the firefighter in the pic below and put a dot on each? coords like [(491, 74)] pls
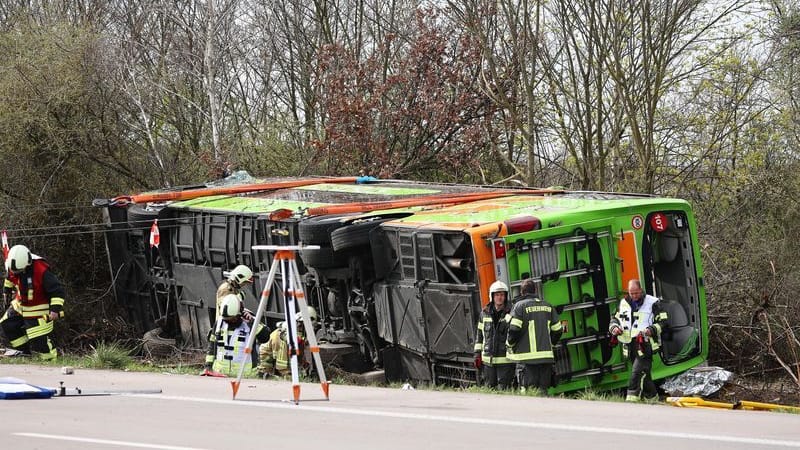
[(238, 278), (490, 343), (227, 341), (37, 301), (274, 355), (637, 325), (534, 327)]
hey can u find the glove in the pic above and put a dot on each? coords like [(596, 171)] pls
[(478, 361), (248, 316), (616, 331)]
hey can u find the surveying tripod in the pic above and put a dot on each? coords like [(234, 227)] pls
[(293, 293)]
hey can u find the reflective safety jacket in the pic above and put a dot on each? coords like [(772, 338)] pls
[(226, 345), (37, 289), (533, 326), (275, 353), (634, 319), (490, 340)]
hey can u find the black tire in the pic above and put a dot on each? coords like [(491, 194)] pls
[(324, 258), (155, 345), (141, 217), (317, 230), (355, 235)]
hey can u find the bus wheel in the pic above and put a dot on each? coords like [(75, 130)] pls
[(139, 216), (355, 235), (323, 258), (317, 230)]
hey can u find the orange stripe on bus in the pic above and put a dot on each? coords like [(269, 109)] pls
[(629, 258)]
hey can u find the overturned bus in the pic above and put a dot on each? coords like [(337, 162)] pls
[(403, 268)]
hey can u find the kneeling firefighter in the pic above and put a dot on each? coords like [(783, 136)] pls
[(37, 300), (274, 355)]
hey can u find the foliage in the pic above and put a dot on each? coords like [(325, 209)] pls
[(677, 97), (110, 356), (420, 116)]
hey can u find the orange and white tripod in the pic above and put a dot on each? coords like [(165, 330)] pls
[(293, 296)]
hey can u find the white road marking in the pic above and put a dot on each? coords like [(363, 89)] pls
[(479, 421), (59, 437)]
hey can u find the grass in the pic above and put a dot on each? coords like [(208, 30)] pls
[(598, 396), (110, 356)]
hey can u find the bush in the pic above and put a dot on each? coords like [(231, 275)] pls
[(110, 356)]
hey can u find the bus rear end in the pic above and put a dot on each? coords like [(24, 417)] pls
[(582, 257)]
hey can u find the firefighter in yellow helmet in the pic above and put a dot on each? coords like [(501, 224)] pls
[(490, 342), (37, 300), (228, 339), (274, 355), (237, 280)]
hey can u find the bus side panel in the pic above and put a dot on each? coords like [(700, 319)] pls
[(401, 306), (450, 319)]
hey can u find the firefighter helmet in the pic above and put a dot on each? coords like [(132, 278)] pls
[(241, 274), (19, 258), (497, 286), (312, 314), (231, 306)]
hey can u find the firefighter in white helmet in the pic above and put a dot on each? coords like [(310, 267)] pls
[(237, 280), (497, 371), (274, 355), (228, 339), (37, 300)]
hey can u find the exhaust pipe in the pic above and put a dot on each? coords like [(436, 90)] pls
[(458, 263)]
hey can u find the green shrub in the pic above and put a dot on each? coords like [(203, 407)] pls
[(110, 356)]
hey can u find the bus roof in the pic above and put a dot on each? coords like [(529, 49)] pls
[(323, 194), (547, 208)]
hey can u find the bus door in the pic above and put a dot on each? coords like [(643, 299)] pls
[(671, 273), (577, 272)]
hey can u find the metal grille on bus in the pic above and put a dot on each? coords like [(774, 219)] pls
[(407, 255), (417, 256), (426, 257), (544, 261)]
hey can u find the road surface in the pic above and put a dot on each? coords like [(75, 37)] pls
[(195, 412)]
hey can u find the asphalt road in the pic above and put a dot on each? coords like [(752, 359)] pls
[(196, 412)]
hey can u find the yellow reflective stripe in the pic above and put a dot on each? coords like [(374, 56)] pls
[(57, 301), (556, 326), (480, 326), (661, 316), (516, 322), (36, 308), (42, 329), (9, 284), (532, 335), (531, 355), (210, 358), (478, 346), (657, 327), (19, 341), (492, 360), (52, 354)]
